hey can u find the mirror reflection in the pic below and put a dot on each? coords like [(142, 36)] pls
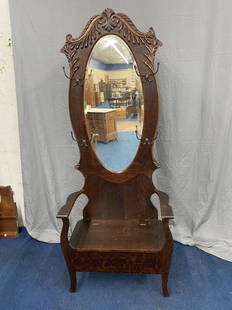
[(114, 105)]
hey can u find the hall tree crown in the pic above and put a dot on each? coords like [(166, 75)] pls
[(120, 230)]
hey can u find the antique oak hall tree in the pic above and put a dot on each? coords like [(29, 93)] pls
[(112, 99)]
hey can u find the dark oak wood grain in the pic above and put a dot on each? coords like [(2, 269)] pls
[(120, 230)]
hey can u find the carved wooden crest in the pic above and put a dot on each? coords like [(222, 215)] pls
[(102, 24)]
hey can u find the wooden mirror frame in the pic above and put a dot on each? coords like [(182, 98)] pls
[(143, 47)]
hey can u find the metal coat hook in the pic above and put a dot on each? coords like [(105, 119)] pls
[(65, 74), (78, 81), (146, 77), (144, 140), (72, 135), (94, 137), (81, 143), (157, 68), (136, 133)]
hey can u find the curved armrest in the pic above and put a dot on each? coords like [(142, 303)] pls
[(166, 209), (67, 208)]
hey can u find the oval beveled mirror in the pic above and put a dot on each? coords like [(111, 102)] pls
[(113, 103)]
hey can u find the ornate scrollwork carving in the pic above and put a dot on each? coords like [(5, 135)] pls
[(107, 22)]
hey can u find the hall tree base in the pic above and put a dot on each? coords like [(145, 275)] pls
[(120, 230), (116, 246)]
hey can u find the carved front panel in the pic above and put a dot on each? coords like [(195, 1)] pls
[(117, 262)]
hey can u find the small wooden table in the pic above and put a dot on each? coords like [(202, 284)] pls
[(103, 122)]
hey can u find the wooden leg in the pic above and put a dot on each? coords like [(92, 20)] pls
[(66, 251), (166, 259), (165, 284), (73, 281)]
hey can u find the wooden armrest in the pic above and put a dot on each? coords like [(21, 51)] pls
[(67, 208), (166, 209)]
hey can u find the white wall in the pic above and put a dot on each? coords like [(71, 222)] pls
[(10, 163)]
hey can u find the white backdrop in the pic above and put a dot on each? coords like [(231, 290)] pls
[(194, 146)]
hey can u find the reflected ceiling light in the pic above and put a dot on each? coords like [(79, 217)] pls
[(120, 53), (111, 42)]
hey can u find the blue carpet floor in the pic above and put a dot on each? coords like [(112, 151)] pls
[(118, 154), (33, 276)]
